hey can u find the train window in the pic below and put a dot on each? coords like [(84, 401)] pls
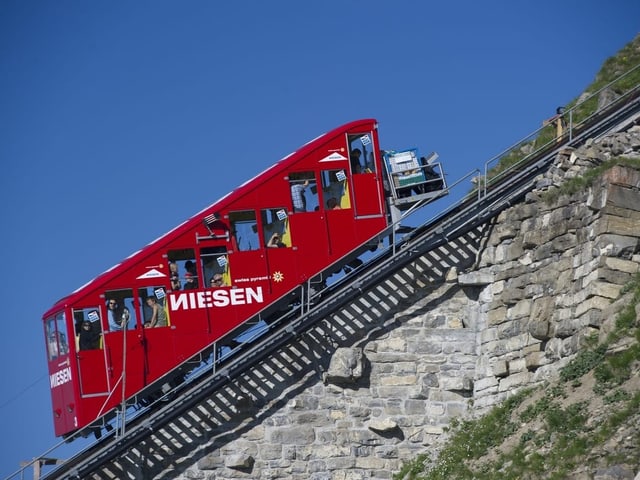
[(304, 192), (153, 306), (361, 153), (120, 312), (215, 265), (335, 190), (52, 338), (244, 228), (56, 332), (182, 269), (275, 227), (88, 328)]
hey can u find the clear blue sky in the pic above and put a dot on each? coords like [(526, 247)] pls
[(119, 120)]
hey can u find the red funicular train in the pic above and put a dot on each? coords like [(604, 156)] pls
[(134, 328)]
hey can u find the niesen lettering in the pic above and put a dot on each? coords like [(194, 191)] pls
[(215, 298), (60, 377)]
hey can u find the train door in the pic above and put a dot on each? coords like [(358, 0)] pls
[(248, 260), (307, 223), (279, 242), (338, 212), (218, 276), (123, 342), (367, 195), (92, 366), (186, 280), (190, 315), (158, 345), (60, 373)]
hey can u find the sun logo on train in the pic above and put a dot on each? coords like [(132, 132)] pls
[(278, 277)]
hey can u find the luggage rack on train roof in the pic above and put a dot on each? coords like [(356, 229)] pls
[(411, 180)]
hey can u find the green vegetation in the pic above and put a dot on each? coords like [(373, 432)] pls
[(557, 435), (583, 182), (474, 439), (611, 72)]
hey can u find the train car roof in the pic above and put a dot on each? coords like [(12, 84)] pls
[(221, 203)]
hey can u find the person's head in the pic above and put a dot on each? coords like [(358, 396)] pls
[(173, 268), (332, 203), (112, 304), (356, 153), (151, 300), (86, 325), (216, 280)]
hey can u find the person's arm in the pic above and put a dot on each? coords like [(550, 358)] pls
[(271, 243), (274, 241), (154, 315)]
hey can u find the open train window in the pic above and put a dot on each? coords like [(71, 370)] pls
[(244, 228), (182, 269), (153, 306), (361, 153), (121, 315), (335, 190), (88, 328), (275, 227), (215, 265), (304, 192)]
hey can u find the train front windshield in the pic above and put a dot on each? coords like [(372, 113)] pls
[(56, 336)]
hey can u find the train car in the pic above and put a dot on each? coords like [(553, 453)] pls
[(138, 327)]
